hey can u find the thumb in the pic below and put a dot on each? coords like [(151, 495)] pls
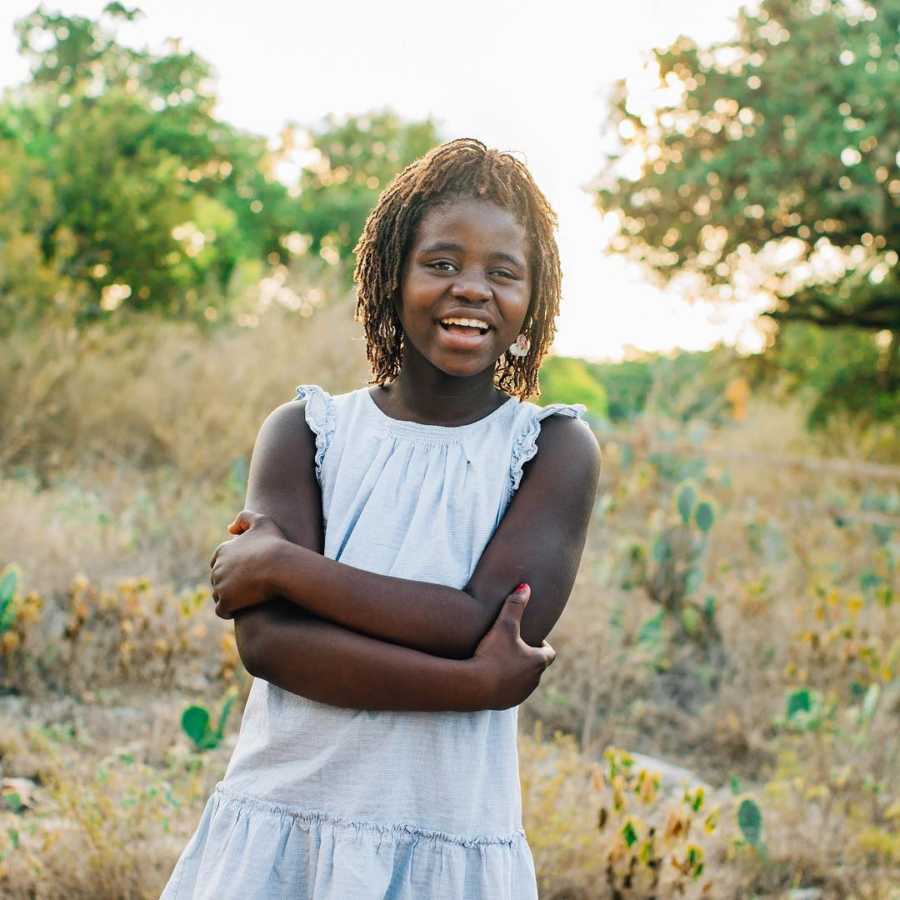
[(514, 606), (243, 521)]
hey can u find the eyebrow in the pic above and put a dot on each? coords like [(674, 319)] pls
[(457, 248)]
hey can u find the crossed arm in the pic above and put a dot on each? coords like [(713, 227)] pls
[(349, 637)]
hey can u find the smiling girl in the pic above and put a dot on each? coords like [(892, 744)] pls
[(405, 551)]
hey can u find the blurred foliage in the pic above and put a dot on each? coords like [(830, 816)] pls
[(627, 385), (692, 385), (840, 367), (120, 188), (682, 386), (567, 379), (134, 192), (768, 163), (356, 159)]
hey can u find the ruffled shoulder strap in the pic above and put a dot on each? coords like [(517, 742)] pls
[(320, 418), (525, 443)]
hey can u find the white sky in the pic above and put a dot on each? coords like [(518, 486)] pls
[(518, 74)]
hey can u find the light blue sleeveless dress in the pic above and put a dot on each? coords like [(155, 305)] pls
[(324, 803)]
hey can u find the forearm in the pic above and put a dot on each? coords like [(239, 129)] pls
[(432, 618), (325, 662)]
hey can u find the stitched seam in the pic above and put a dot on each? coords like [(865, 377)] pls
[(316, 817)]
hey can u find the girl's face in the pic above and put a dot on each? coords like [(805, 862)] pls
[(469, 263)]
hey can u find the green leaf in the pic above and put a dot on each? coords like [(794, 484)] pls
[(7, 594), (735, 785), (651, 631), (705, 516), (629, 834), (869, 580), (693, 579), (690, 619), (662, 550), (687, 497), (799, 701), (749, 819), (14, 802), (195, 722), (709, 608), (223, 717), (7, 587)]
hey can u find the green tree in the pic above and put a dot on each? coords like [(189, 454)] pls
[(356, 158), (770, 163), (567, 379), (627, 385), (140, 196)]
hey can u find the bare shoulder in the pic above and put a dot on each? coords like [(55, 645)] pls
[(282, 481), (568, 447), (286, 426)]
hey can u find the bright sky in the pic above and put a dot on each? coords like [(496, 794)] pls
[(522, 75)]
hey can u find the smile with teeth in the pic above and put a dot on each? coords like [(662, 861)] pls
[(464, 326)]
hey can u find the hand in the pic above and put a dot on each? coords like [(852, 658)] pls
[(509, 668), (239, 567)]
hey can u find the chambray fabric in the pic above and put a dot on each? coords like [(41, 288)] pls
[(324, 803)]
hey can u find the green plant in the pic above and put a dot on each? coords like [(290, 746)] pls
[(195, 722), (565, 379), (671, 571), (750, 821), (7, 594)]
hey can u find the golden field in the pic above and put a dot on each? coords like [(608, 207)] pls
[(746, 652)]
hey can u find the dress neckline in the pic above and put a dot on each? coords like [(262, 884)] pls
[(421, 428)]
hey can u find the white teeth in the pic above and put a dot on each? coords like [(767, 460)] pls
[(472, 323)]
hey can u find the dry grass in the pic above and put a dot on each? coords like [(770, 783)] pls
[(125, 459), (132, 457), (163, 394)]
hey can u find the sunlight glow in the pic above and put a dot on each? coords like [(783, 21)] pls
[(534, 81)]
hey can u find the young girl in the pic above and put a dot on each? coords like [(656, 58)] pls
[(380, 574)]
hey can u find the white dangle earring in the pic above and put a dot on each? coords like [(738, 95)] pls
[(521, 346)]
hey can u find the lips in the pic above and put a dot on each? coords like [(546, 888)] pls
[(461, 337), (459, 328), (466, 318)]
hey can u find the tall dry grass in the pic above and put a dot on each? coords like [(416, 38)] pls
[(125, 453), (123, 458)]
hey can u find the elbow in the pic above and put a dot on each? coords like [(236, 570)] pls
[(249, 634)]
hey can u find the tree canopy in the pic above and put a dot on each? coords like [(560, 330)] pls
[(121, 188), (356, 158), (769, 163)]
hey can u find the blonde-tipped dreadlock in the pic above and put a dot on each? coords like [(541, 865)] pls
[(458, 169)]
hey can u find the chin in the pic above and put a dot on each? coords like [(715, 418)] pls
[(463, 368)]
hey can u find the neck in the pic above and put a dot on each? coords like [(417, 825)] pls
[(429, 395)]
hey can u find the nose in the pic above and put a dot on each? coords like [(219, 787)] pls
[(472, 287)]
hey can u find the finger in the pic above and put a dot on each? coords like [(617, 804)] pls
[(548, 653), (212, 559), (514, 607)]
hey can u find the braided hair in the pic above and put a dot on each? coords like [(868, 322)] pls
[(463, 168)]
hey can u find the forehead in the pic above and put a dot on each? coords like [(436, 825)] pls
[(481, 222)]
